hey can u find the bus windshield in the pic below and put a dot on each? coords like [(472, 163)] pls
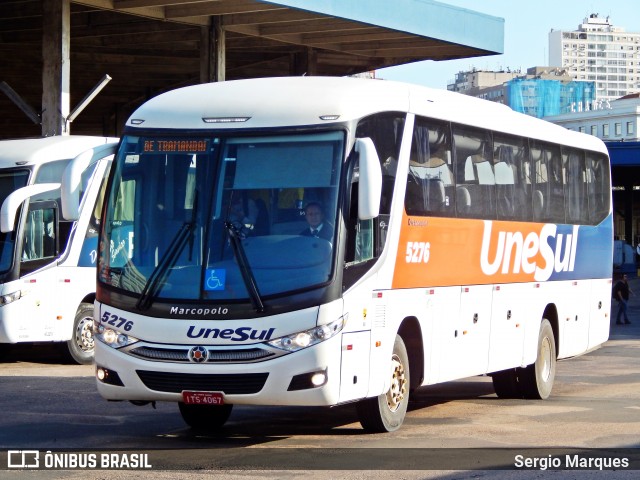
[(221, 218), (10, 181)]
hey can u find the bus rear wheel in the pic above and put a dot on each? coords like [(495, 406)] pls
[(386, 412), (205, 417), (536, 380), (81, 344)]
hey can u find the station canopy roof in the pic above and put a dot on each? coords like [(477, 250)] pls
[(150, 46)]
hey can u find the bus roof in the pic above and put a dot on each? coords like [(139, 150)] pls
[(34, 151), (303, 101)]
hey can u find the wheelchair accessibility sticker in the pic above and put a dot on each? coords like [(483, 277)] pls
[(215, 279)]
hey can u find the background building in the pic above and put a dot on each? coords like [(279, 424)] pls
[(540, 92), (617, 123), (616, 120), (475, 82), (600, 52), (540, 97)]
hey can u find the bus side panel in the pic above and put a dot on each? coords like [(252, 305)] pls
[(470, 355), (73, 285), (389, 308), (537, 297), (29, 318), (571, 298), (354, 366), (600, 303), (509, 315), (442, 318)]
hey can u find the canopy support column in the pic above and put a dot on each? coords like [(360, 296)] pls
[(213, 52), (56, 66)]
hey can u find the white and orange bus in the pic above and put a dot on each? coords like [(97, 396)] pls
[(460, 239)]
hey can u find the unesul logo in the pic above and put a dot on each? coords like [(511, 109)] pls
[(515, 253)]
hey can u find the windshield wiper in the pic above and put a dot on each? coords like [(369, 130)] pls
[(235, 236), (168, 260)]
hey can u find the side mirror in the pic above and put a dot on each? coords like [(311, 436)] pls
[(370, 181), (14, 200), (72, 178)]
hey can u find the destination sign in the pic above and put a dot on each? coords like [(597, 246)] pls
[(176, 146)]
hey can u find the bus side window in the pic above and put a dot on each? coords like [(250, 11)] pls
[(124, 238), (513, 197), (548, 189), (474, 173), (366, 238), (556, 185), (598, 186), (89, 249), (360, 236), (576, 180), (39, 245), (385, 131), (430, 181)]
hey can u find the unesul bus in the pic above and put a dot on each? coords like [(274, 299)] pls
[(47, 260), (467, 239)]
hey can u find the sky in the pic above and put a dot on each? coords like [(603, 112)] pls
[(526, 35)]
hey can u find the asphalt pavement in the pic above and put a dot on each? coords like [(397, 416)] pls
[(459, 414)]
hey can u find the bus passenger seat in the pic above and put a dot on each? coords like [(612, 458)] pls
[(463, 200), (538, 204), (434, 194)]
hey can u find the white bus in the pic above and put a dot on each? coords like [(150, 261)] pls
[(461, 239), (47, 261)]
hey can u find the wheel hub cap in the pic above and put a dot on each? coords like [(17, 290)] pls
[(84, 334), (398, 388)]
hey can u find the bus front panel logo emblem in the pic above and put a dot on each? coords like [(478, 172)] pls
[(198, 354)]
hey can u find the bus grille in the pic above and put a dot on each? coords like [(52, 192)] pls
[(163, 354), (231, 384), (215, 356)]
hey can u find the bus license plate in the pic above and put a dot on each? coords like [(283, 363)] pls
[(202, 398)]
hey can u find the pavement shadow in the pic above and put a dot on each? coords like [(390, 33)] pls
[(44, 353)]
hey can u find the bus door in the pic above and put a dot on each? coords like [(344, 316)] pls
[(40, 249)]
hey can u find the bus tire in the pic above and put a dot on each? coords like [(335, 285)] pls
[(205, 417), (386, 412), (505, 383), (5, 350), (536, 380), (81, 344)]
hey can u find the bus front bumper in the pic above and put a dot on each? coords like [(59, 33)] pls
[(290, 379)]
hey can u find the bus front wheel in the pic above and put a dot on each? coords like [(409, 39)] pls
[(386, 412), (81, 344), (205, 417), (537, 379)]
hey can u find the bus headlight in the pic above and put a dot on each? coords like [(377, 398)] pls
[(298, 341), (10, 297), (112, 337)]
